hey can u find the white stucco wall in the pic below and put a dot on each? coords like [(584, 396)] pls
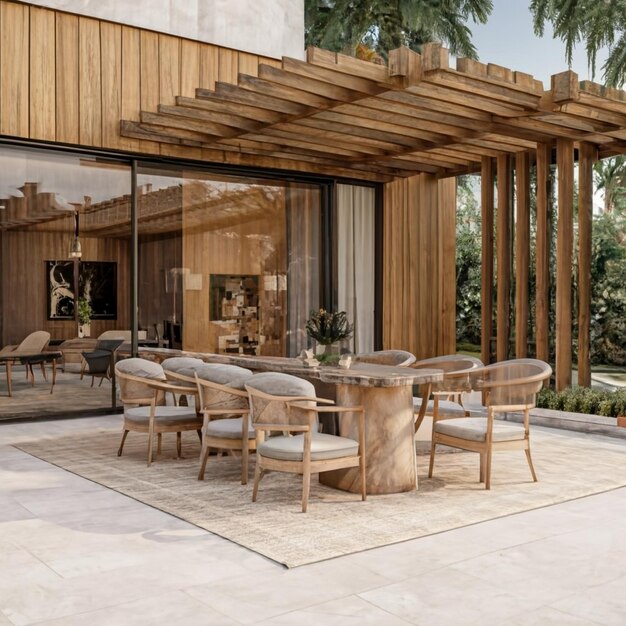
[(273, 28)]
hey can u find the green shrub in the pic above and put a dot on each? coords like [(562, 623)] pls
[(584, 400)]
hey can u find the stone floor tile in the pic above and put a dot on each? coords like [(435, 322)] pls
[(175, 608), (349, 611), (447, 597), (254, 598), (602, 604), (546, 616)]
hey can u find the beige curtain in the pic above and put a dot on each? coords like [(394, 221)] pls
[(355, 261)]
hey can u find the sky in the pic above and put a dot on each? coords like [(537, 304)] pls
[(508, 40)]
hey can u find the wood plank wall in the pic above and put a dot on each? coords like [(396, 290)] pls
[(81, 76), (419, 296), (25, 302)]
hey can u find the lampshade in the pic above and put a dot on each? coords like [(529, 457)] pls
[(75, 249)]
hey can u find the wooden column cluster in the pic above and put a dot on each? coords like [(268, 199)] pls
[(542, 289), (586, 156), (522, 253), (564, 252), (503, 248), (486, 278)]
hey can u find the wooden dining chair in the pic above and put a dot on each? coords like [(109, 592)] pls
[(287, 405), (143, 387), (446, 394), (507, 386), (225, 409)]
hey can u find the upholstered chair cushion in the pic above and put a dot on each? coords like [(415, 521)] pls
[(229, 375), (228, 429), (446, 407), (279, 384), (141, 368), (386, 357), (179, 364), (269, 411), (322, 447), (131, 390), (165, 415), (475, 429)]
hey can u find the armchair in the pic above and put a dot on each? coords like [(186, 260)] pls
[(287, 404), (143, 387), (506, 386)]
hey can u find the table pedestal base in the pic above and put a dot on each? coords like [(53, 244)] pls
[(389, 432)]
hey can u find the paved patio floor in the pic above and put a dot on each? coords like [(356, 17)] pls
[(73, 552)]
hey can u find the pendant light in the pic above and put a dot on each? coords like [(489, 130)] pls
[(75, 249)]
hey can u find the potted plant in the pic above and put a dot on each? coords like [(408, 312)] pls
[(328, 329), (84, 317)]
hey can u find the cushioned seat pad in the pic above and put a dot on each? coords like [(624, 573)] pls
[(475, 429), (446, 407), (322, 447), (165, 415), (228, 429)]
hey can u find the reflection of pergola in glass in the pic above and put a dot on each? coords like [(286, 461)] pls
[(419, 116)]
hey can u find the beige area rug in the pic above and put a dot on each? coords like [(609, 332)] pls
[(569, 466)]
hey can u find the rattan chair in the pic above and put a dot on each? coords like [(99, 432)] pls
[(286, 404), (142, 389), (506, 386), (225, 408), (457, 369)]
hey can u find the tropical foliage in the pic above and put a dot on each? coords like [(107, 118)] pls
[(597, 23), (381, 25), (327, 328)]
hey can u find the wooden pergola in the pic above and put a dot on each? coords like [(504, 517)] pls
[(338, 115)]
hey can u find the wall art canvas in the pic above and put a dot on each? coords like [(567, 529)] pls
[(97, 283), (60, 290)]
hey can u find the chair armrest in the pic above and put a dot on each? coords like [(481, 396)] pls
[(283, 427), (225, 411), (164, 386)]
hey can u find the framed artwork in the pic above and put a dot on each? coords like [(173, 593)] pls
[(60, 289), (97, 283)]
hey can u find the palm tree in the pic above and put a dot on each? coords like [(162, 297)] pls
[(598, 23), (610, 177), (382, 25)]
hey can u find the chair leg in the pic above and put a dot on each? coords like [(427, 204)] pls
[(159, 442), (244, 462), (204, 457), (363, 473), (306, 488), (43, 371), (431, 465), (150, 443), (179, 444), (124, 435), (482, 468), (530, 464), (258, 474), (488, 469), (101, 381), (199, 434)]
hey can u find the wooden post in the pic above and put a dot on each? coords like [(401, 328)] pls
[(486, 278), (522, 253), (542, 293), (504, 257), (564, 251), (587, 154)]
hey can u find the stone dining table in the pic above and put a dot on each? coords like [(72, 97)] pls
[(386, 394)]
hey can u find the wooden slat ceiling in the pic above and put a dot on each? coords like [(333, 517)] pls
[(358, 119)]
